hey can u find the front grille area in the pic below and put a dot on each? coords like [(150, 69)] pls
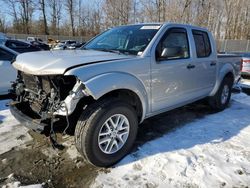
[(30, 81), (35, 83), (46, 85), (44, 93)]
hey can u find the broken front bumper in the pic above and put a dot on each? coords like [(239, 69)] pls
[(34, 124)]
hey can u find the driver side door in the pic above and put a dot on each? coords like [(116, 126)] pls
[(172, 71)]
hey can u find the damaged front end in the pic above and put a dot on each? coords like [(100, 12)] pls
[(42, 100)]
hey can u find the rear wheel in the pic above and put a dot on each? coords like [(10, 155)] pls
[(105, 132), (221, 99)]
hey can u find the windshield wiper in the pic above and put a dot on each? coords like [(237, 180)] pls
[(109, 50), (125, 52)]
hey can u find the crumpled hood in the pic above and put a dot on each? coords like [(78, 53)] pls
[(57, 62)]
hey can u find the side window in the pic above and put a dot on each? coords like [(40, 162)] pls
[(174, 45), (202, 43), (5, 56)]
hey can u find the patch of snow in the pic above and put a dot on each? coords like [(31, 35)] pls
[(245, 83), (12, 134), (11, 182), (71, 149), (17, 184), (50, 152), (32, 186), (210, 152)]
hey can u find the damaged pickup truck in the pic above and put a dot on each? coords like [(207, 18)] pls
[(118, 79)]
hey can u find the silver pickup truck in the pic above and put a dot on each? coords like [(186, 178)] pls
[(117, 80)]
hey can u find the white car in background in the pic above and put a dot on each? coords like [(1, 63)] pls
[(7, 72), (34, 39), (63, 45)]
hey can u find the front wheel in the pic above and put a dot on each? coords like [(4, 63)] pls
[(222, 97), (105, 132)]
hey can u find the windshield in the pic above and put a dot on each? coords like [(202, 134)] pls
[(124, 39)]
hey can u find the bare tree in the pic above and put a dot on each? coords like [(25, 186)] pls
[(227, 19), (13, 12), (3, 26), (185, 14), (70, 6), (91, 16), (42, 8), (117, 12), (26, 11), (55, 14)]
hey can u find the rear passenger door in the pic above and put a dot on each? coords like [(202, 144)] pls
[(205, 62)]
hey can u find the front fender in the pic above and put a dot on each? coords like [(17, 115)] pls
[(105, 83)]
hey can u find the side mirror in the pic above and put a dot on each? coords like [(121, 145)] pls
[(164, 52), (171, 52)]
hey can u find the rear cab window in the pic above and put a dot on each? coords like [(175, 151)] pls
[(202, 43)]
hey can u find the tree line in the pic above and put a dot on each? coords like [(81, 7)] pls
[(227, 19)]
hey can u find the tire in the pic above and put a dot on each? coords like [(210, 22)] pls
[(221, 99), (92, 129)]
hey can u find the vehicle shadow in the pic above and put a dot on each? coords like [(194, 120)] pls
[(167, 122), (187, 127)]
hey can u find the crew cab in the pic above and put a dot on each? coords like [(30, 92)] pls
[(117, 80)]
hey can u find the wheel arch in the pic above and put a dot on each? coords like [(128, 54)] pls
[(230, 76), (121, 85)]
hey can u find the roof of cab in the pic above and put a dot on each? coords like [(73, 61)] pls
[(164, 24)]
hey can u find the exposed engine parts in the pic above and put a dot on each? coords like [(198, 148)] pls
[(45, 97), (49, 95), (69, 104)]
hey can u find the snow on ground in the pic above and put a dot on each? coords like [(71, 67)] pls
[(245, 83), (13, 183), (11, 133), (211, 152), (71, 149), (17, 184)]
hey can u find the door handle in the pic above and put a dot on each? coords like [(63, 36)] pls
[(212, 63), (190, 66)]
